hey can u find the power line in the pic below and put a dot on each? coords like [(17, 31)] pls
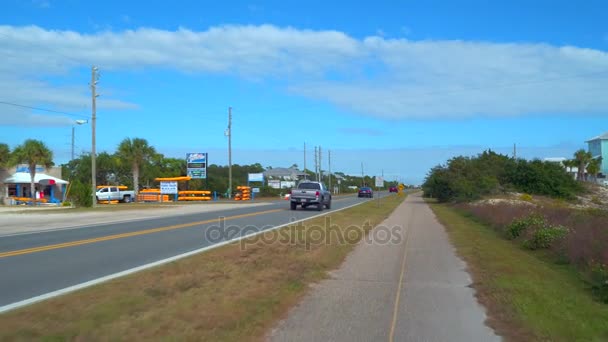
[(43, 109)]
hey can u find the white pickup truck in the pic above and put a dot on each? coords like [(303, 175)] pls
[(113, 193)]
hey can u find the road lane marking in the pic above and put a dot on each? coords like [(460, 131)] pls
[(125, 235), (391, 336), (108, 277)]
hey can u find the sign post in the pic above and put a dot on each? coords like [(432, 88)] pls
[(255, 177), (168, 188), (379, 184)]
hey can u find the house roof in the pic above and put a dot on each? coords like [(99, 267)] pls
[(24, 178), (599, 137), (283, 172)]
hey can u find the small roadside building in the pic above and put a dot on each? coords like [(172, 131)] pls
[(15, 182)]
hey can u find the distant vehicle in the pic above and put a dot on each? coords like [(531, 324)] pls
[(393, 189), (310, 193), (366, 192), (114, 193)]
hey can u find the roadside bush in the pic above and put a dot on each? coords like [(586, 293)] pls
[(66, 204), (526, 197), (81, 194), (545, 236), (465, 179), (596, 200), (599, 281), (531, 222)]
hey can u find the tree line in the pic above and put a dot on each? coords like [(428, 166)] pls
[(469, 178), (135, 163)]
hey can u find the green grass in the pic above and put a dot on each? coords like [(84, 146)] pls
[(528, 296)]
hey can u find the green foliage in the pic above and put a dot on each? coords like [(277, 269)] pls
[(516, 228), (467, 179), (599, 280), (5, 154), (66, 204), (543, 178), (81, 194), (526, 197), (545, 236)]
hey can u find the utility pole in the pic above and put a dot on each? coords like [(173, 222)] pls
[(229, 152), (305, 174), (316, 164), (72, 143), (320, 166), (329, 166), (93, 122), (362, 176)]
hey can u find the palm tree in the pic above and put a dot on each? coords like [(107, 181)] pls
[(594, 167), (135, 151), (5, 154), (582, 158), (32, 152)]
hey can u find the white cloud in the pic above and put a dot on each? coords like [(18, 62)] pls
[(20, 119), (408, 79)]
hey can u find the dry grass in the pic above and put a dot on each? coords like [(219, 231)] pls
[(226, 294)]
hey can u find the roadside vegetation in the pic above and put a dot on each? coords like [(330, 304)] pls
[(536, 246), (530, 294), (470, 178), (227, 294)]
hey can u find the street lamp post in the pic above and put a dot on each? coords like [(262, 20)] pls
[(77, 122)]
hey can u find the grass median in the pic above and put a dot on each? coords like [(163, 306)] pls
[(528, 296), (235, 292)]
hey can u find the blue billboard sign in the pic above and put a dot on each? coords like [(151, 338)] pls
[(196, 165)]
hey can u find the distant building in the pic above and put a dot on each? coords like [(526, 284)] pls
[(598, 147), (281, 177)]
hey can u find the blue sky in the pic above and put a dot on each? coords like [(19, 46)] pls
[(399, 87)]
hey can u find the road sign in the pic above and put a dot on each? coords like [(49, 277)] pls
[(196, 165), (379, 182), (256, 177), (255, 190), (168, 187)]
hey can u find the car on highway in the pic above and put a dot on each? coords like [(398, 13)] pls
[(366, 192), (310, 193), (393, 189)]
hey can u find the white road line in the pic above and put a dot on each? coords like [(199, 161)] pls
[(80, 286)]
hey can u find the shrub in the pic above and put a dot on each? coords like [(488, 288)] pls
[(545, 236), (596, 200), (526, 197), (518, 226), (469, 178), (66, 204), (81, 194), (599, 281)]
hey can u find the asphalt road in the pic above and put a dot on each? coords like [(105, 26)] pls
[(39, 263)]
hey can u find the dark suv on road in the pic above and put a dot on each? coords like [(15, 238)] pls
[(366, 192), (393, 189)]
